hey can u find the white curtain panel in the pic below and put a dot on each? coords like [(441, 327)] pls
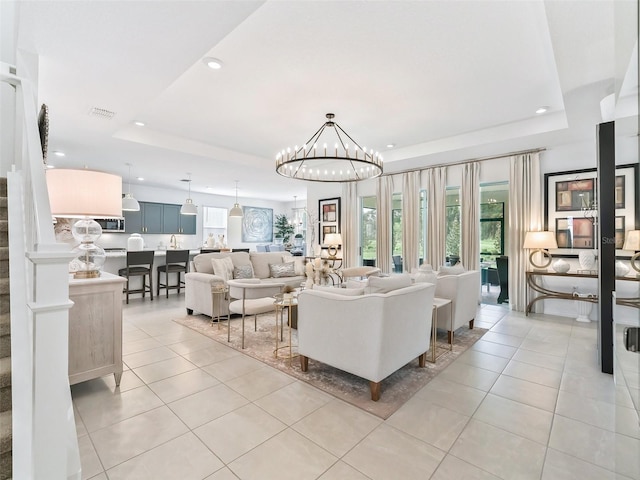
[(525, 214), (383, 236), (410, 220), (436, 208), (470, 228), (349, 228)]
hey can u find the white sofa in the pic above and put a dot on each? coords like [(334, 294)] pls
[(463, 289), (368, 335), (200, 279)]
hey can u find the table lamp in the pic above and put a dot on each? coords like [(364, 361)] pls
[(632, 242), (334, 241), (540, 242), (85, 194)]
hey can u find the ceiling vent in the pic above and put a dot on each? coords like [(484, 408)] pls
[(185, 180), (101, 113)]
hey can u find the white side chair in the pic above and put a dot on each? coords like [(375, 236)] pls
[(252, 297)]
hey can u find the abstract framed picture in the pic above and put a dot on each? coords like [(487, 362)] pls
[(571, 207), (329, 215), (257, 224)]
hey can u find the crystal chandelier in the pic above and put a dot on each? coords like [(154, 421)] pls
[(320, 160)]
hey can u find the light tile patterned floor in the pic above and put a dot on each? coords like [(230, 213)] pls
[(526, 402)]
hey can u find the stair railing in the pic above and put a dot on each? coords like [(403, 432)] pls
[(45, 442)]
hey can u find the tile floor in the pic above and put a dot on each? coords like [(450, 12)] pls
[(526, 402)]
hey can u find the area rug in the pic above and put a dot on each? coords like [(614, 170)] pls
[(395, 389)]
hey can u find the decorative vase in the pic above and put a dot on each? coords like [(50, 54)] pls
[(583, 308), (587, 259), (621, 269), (561, 266), (210, 241)]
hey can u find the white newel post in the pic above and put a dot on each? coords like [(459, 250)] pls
[(52, 397)]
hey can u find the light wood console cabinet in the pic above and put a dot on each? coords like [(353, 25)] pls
[(95, 328)]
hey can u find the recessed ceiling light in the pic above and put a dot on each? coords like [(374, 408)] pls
[(212, 63), (50, 166), (542, 110), (140, 179), (391, 145), (139, 124), (59, 154)]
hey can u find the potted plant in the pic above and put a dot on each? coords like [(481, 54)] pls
[(283, 229), (297, 239)]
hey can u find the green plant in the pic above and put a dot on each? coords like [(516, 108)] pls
[(297, 235), (283, 228)]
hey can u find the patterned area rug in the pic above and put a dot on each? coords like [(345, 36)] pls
[(395, 389)]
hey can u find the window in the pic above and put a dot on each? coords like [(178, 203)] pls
[(396, 232), (368, 230), (452, 221), (214, 222), (491, 230), (422, 248)]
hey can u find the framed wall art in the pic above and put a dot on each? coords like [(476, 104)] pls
[(257, 224), (329, 215), (571, 207)]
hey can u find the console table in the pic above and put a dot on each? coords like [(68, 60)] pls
[(95, 328), (547, 293)]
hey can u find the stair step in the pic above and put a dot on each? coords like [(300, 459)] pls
[(5, 399), (5, 372), (4, 233), (6, 467), (5, 324), (5, 346), (5, 431), (4, 253), (4, 287), (5, 304), (3, 187)]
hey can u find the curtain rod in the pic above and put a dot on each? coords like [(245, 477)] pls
[(462, 162)]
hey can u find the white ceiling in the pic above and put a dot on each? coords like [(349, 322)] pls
[(442, 80)]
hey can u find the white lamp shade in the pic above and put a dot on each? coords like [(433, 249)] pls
[(540, 240), (236, 211), (333, 239), (84, 193), (189, 208), (130, 204), (632, 240)]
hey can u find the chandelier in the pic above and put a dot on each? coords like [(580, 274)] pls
[(319, 160)]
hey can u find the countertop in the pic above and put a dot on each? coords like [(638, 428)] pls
[(157, 253)]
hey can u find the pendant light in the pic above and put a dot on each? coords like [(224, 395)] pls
[(130, 204), (236, 211), (189, 208)]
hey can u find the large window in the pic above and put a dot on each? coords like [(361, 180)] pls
[(491, 230), (422, 248), (214, 223), (396, 231), (368, 230), (452, 220)]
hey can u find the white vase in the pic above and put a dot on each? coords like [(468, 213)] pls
[(621, 269), (587, 259), (583, 308), (561, 266)]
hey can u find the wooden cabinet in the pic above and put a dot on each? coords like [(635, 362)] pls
[(159, 218), (95, 328)]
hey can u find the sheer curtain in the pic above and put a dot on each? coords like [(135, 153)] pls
[(410, 220), (470, 231), (524, 215), (349, 228), (436, 208), (383, 234)]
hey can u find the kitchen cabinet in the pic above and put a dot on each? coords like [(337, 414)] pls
[(159, 218)]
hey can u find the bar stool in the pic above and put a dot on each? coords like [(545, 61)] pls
[(177, 262), (139, 264)]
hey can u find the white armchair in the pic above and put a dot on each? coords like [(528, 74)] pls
[(370, 336), (252, 297), (463, 290)]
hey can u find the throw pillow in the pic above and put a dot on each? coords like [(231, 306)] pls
[(298, 263), (347, 292), (423, 276), (244, 271), (223, 268), (388, 284), (426, 266), (455, 270), (279, 270)]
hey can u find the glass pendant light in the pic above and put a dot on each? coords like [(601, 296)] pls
[(236, 211), (189, 208), (130, 204)]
